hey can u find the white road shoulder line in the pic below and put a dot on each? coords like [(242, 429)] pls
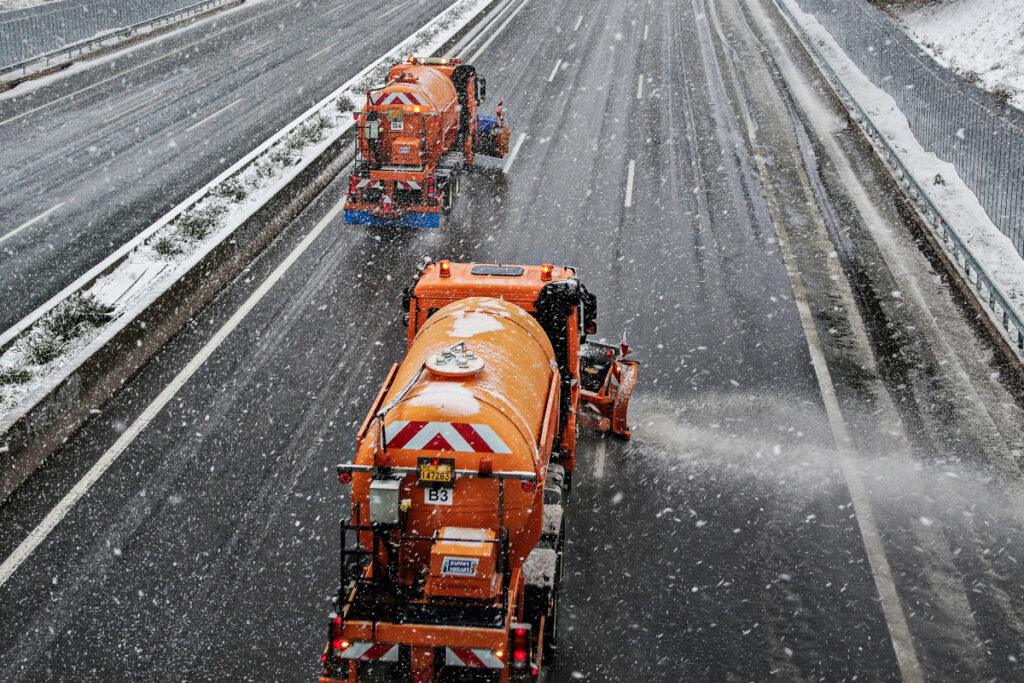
[(640, 87), (214, 115), (497, 32), (60, 511), (579, 20), (554, 72), (629, 184), (24, 225), (515, 151)]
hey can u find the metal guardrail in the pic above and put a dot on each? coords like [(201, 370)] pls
[(40, 35), (1002, 311), (974, 130)]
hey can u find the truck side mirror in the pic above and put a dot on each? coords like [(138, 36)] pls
[(481, 88)]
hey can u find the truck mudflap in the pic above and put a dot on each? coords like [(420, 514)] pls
[(408, 219)]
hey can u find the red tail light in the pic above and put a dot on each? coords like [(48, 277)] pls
[(353, 184), (444, 268), (431, 186), (545, 271), (520, 645)]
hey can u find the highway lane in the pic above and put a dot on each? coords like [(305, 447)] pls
[(92, 158), (726, 540)]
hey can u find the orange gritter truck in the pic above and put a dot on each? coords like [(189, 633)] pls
[(452, 558), (415, 136)]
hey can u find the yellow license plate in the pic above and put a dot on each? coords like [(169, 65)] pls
[(436, 472)]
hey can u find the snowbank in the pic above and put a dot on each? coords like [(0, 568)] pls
[(943, 187), (982, 39)]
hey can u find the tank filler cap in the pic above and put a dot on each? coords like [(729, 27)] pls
[(456, 361)]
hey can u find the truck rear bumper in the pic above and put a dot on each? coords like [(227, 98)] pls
[(411, 219)]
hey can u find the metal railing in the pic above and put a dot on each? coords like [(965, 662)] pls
[(974, 130), (42, 34), (1001, 310)]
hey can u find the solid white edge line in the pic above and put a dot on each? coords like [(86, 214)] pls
[(629, 184), (640, 87), (24, 225), (515, 151), (579, 20), (214, 114), (497, 32), (554, 72), (60, 511)]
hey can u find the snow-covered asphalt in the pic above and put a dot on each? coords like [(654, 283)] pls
[(821, 483), (91, 159)]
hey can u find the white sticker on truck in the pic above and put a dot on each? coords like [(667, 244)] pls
[(438, 496), (459, 566)]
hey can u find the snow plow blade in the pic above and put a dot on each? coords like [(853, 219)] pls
[(411, 219), (609, 378)]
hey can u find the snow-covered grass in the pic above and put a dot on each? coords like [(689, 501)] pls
[(983, 40), (8, 5), (174, 244), (937, 179)]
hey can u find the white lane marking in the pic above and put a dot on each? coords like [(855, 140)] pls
[(554, 72), (602, 448), (579, 20), (640, 87), (60, 511), (140, 105), (214, 114), (136, 67), (646, 26), (24, 225), (515, 151), (892, 608), (255, 48), (629, 183), (497, 32), (320, 52)]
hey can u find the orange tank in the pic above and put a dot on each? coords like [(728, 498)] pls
[(500, 417)]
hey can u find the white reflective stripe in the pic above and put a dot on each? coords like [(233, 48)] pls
[(492, 439), (368, 183), (398, 98), (479, 658), (453, 438), (391, 429), (422, 437), (375, 652), (409, 185)]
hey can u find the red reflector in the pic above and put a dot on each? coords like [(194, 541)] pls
[(323, 658), (545, 271), (336, 644), (444, 268), (344, 478), (337, 620), (609, 353), (528, 486)]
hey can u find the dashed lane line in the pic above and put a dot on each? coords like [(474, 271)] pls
[(599, 459), (579, 20), (140, 105), (646, 27), (320, 52), (60, 511), (640, 87), (554, 72), (515, 151), (629, 184), (26, 224), (214, 115)]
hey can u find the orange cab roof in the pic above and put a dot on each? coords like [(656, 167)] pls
[(517, 283)]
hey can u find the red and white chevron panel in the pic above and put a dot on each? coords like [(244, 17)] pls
[(371, 652), (368, 183), (409, 185), (398, 98), (477, 658), (460, 437)]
